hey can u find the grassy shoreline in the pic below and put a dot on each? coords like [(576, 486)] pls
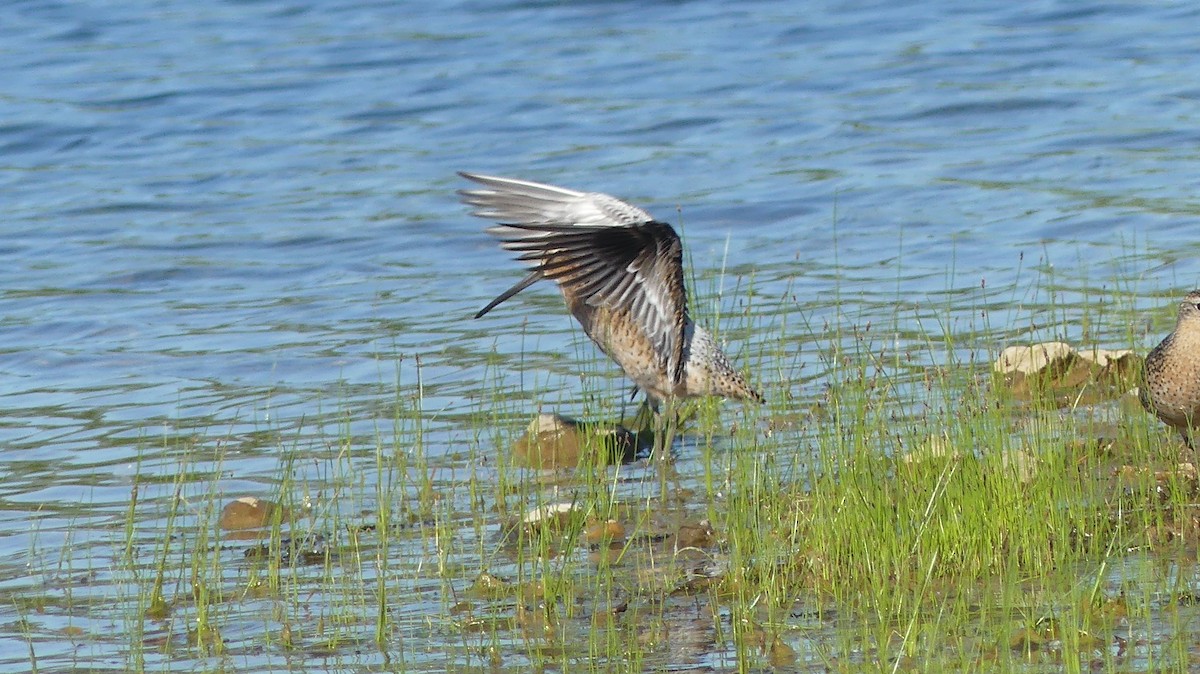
[(894, 507)]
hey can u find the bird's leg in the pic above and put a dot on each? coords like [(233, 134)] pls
[(667, 422), (644, 420), (666, 427), (1189, 440)]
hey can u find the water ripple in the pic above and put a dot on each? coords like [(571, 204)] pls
[(231, 229)]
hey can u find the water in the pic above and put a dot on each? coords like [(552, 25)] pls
[(226, 223)]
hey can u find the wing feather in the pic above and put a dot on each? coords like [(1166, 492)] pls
[(509, 200), (599, 249)]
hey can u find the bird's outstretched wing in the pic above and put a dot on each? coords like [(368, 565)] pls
[(601, 251), (512, 201)]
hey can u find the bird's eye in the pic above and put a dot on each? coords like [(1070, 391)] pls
[(1197, 305)]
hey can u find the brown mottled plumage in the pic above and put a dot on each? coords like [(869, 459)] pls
[(1171, 384), (621, 273)]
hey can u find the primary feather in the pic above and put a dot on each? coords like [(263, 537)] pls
[(621, 273)]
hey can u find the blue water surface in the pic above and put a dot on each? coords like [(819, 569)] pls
[(230, 227)]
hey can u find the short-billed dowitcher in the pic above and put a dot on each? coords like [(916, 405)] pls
[(1171, 383), (621, 273)]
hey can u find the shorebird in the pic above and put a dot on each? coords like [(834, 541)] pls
[(1171, 381), (621, 274)]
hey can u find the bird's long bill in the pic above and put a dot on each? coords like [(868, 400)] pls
[(533, 277)]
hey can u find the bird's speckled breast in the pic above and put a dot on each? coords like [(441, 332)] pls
[(621, 337), (1172, 381)]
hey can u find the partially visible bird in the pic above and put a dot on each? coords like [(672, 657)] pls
[(621, 273), (1171, 380)]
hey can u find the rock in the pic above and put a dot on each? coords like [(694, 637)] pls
[(700, 535), (1055, 372), (309, 549), (608, 531), (249, 512), (552, 517), (1033, 359), (555, 441)]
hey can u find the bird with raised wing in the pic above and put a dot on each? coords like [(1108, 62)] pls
[(1171, 378), (621, 274)]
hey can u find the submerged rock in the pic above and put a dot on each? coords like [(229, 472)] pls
[(308, 549), (247, 513), (488, 586), (1183, 476), (555, 441), (597, 532), (550, 517), (1056, 372)]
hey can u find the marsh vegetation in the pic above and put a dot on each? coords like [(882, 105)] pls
[(897, 505)]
